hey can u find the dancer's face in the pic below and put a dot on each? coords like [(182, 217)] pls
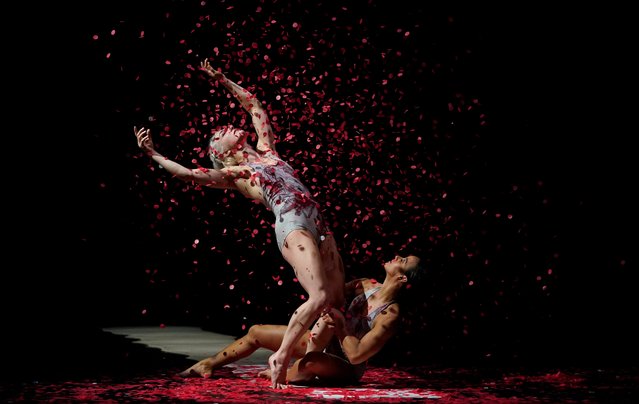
[(401, 265), (231, 146)]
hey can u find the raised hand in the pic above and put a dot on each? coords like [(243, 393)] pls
[(144, 139), (206, 66)]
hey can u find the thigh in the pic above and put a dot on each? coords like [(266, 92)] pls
[(333, 268), (302, 252), (270, 337)]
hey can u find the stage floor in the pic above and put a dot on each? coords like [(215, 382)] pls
[(192, 342), (137, 364)]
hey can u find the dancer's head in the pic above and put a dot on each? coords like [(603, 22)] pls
[(402, 265), (404, 271), (227, 147)]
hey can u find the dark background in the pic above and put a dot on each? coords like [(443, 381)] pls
[(96, 240)]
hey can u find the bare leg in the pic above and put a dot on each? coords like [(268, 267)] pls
[(259, 336), (321, 334), (319, 274)]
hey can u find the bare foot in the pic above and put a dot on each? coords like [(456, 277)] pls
[(278, 371), (265, 374), (200, 369)]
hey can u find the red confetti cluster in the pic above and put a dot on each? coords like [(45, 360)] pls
[(370, 105)]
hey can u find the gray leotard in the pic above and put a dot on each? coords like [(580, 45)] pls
[(288, 198), (358, 322)]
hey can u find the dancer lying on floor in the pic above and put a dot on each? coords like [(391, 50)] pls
[(344, 342)]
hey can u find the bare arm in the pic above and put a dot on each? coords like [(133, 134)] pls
[(360, 350), (210, 177), (265, 138)]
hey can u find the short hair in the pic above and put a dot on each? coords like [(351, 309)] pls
[(217, 163)]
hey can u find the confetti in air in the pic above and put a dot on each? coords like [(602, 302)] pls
[(374, 106)]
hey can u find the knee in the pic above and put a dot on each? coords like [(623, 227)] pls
[(319, 301), (254, 333), (326, 299), (330, 298), (254, 330)]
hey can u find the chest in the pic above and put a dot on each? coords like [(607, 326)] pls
[(366, 305)]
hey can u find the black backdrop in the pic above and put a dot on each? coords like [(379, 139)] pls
[(523, 112)]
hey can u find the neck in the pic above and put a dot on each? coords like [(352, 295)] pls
[(388, 289)]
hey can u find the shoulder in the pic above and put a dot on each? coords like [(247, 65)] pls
[(389, 316), (369, 283), (237, 172), (267, 151), (269, 157), (355, 283)]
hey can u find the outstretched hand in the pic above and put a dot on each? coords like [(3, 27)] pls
[(206, 66), (144, 139)]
